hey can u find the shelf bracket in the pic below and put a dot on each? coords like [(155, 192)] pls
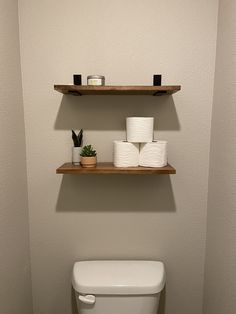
[(160, 93), (74, 93)]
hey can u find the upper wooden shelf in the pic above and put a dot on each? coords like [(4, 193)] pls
[(109, 168), (79, 90)]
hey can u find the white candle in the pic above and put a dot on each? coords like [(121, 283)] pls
[(98, 80)]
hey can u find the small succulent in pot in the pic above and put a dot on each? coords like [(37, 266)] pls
[(76, 149), (88, 157), (88, 151)]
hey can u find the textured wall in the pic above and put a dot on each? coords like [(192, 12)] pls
[(91, 217), (220, 282), (15, 286)]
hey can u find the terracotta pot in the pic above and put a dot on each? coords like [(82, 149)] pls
[(88, 162)]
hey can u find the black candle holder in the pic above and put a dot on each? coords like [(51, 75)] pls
[(157, 79), (77, 79)]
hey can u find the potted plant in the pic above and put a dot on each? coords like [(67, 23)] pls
[(88, 157), (76, 149)]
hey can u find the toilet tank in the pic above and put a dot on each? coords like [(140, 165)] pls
[(118, 287)]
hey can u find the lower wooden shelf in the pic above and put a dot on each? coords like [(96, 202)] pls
[(109, 168)]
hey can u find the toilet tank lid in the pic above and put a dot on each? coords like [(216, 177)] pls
[(118, 277)]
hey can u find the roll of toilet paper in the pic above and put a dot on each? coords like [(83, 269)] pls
[(153, 154), (139, 129), (125, 154)]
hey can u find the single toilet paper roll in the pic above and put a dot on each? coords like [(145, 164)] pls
[(153, 154), (125, 154), (139, 129)]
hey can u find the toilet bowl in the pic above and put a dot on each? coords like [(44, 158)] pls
[(118, 287)]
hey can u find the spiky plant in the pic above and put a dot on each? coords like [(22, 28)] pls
[(77, 139), (88, 151)]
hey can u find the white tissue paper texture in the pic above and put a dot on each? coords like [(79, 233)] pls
[(153, 154), (139, 129), (125, 154)]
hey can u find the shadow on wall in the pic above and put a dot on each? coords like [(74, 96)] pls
[(109, 112), (131, 193), (73, 302), (115, 193), (162, 302)]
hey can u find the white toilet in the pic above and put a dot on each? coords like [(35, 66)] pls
[(118, 287)]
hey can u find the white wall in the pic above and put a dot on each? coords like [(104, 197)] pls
[(95, 217), (220, 281), (15, 285)]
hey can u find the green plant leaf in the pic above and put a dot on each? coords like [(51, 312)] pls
[(80, 138), (75, 139)]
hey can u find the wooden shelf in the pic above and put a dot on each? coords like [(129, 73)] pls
[(79, 90), (109, 168)]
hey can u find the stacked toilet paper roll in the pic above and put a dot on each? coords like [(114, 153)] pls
[(153, 154), (125, 154), (140, 149), (139, 129)]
